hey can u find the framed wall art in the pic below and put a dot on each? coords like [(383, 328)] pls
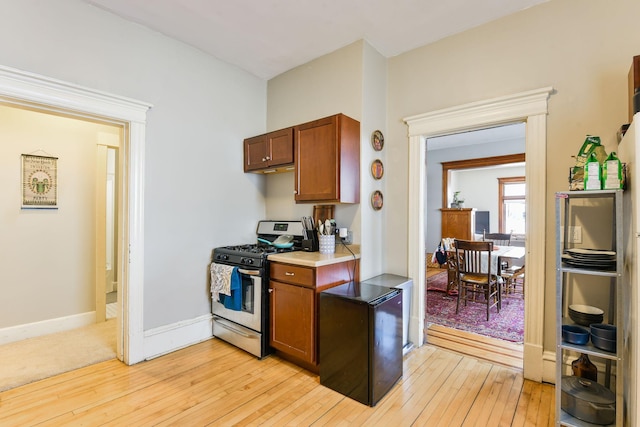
[(39, 182), (377, 170), (377, 140)]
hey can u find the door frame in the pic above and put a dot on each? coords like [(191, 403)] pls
[(104, 144), (101, 232), (531, 108), (21, 88)]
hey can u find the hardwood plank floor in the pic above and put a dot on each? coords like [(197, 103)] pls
[(214, 383), (475, 345)]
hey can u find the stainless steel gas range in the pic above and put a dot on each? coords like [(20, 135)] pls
[(246, 324)]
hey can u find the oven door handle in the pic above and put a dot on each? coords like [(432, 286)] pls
[(249, 272), (232, 329)]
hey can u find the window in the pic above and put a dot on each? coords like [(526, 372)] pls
[(512, 213)]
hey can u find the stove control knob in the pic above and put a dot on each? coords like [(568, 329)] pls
[(247, 261)]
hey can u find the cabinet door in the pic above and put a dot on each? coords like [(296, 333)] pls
[(280, 147), (271, 150), (457, 223), (292, 320), (317, 161), (255, 153)]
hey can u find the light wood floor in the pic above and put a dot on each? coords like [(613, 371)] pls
[(479, 346), (214, 383)]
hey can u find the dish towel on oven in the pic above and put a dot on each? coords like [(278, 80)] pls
[(226, 286), (233, 301)]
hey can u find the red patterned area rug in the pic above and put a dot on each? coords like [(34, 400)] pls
[(507, 325)]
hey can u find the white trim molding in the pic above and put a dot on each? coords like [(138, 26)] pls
[(19, 87), (531, 108), (166, 339), (46, 327)]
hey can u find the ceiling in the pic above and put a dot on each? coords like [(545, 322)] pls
[(269, 37)]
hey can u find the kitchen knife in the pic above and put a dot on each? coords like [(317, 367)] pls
[(305, 227)]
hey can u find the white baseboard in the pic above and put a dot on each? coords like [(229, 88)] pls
[(46, 327), (549, 363), (549, 367), (168, 338)]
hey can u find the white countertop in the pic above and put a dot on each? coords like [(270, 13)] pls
[(316, 259)]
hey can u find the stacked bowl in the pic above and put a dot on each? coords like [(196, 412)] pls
[(603, 336), (585, 315), (575, 334)]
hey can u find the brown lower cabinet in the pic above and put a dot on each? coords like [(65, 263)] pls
[(294, 306)]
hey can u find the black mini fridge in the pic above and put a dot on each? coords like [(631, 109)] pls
[(360, 340)]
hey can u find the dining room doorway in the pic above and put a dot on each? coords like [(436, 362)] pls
[(530, 107), (471, 166)]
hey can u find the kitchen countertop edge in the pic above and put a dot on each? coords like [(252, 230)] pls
[(316, 259)]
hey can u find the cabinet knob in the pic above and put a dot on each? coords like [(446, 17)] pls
[(268, 158), (264, 159), (286, 273), (270, 290)]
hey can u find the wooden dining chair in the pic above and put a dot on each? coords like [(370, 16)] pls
[(498, 239), (475, 278), (452, 273), (514, 279)]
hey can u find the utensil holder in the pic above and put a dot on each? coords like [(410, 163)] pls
[(327, 244), (311, 245)]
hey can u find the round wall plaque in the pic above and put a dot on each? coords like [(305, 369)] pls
[(377, 170), (377, 140), (376, 200)]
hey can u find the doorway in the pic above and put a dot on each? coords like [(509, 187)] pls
[(530, 107), (30, 90), (470, 165)]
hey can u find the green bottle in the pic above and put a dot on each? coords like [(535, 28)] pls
[(612, 173), (592, 173)]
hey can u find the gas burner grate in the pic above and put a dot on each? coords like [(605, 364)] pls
[(257, 249)]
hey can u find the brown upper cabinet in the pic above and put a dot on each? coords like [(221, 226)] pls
[(324, 153), (268, 153), (327, 160)]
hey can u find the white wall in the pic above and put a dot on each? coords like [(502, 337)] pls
[(196, 196), (351, 80), (582, 48), (325, 86), (479, 188), (435, 158), (47, 256), (375, 229)]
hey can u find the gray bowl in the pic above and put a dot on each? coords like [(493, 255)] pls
[(585, 315), (603, 343), (603, 330)]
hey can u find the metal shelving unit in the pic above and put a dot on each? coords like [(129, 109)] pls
[(611, 278)]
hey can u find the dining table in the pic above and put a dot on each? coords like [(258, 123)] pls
[(513, 253), (497, 254)]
